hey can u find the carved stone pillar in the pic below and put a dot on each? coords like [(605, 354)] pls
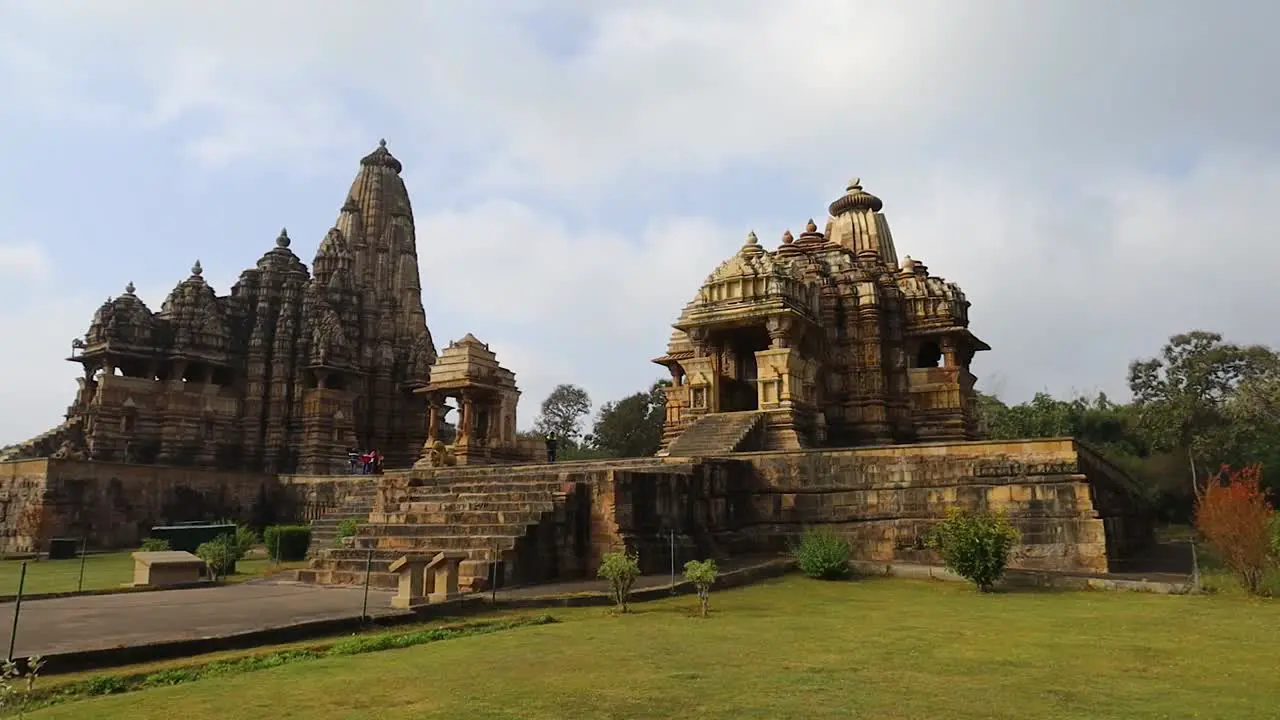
[(781, 332), (466, 416), (433, 419)]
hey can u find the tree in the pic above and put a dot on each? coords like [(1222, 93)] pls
[(703, 574), (621, 570), (562, 413), (632, 426), (1181, 396)]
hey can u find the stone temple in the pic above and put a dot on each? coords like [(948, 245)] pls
[(822, 383), (286, 372), (827, 341)]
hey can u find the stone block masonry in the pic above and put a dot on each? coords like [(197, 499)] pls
[(114, 505)]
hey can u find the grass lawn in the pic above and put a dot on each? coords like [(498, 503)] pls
[(792, 648), (101, 571)]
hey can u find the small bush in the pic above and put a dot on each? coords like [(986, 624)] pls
[(155, 545), (287, 543), (975, 546), (243, 541), (703, 574), (346, 529), (621, 570), (1236, 520), (823, 555), (219, 554)]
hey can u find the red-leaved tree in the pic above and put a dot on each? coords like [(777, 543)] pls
[(1235, 518)]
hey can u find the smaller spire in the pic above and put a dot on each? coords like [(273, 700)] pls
[(382, 142), (787, 238), (752, 239), (811, 226), (196, 270), (283, 240), (128, 289)]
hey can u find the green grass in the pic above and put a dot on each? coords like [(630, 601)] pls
[(101, 572), (792, 648)]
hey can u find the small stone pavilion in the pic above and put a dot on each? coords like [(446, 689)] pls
[(485, 393)]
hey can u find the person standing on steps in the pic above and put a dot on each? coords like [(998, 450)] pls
[(551, 446)]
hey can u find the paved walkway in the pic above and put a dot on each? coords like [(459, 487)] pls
[(105, 621), (95, 622)]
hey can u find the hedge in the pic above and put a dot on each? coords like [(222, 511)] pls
[(287, 543)]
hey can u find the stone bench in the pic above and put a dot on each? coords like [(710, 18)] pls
[(427, 578), (167, 568)]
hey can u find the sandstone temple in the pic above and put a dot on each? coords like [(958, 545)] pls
[(286, 372), (826, 382)]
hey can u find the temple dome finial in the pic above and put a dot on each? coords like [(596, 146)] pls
[(128, 289), (196, 269), (855, 200), (382, 157), (283, 241)]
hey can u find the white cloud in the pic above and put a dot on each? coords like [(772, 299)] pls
[(23, 262), (1096, 176)]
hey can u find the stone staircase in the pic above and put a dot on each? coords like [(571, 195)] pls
[(45, 444), (491, 513), (356, 506), (717, 434)]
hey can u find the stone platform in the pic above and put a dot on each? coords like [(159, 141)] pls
[(552, 522)]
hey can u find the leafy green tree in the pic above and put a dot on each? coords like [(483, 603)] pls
[(632, 426), (1182, 396), (703, 574), (621, 570), (562, 413)]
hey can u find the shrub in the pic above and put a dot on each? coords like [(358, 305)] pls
[(17, 687), (346, 529), (287, 543), (975, 546), (218, 554), (703, 575), (1233, 515), (155, 545), (243, 541), (823, 555), (621, 570)]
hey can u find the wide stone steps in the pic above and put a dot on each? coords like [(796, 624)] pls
[(520, 513), (430, 531), (487, 471), (508, 496), (716, 434), (430, 544)]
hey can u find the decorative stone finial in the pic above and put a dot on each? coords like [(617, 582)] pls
[(196, 270), (787, 238), (128, 289), (382, 143), (283, 240), (855, 199), (752, 239), (811, 226), (381, 157)]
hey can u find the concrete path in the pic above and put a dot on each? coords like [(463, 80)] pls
[(105, 621)]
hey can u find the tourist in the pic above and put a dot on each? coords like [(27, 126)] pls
[(353, 461), (377, 463), (551, 446), (366, 463)]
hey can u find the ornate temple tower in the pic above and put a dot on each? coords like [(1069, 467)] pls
[(828, 340), (282, 375), (394, 345)]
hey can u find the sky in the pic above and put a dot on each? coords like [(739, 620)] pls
[(1095, 175)]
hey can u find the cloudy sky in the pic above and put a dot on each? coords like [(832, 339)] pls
[(1095, 175)]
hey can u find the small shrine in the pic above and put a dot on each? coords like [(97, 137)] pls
[(485, 394)]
